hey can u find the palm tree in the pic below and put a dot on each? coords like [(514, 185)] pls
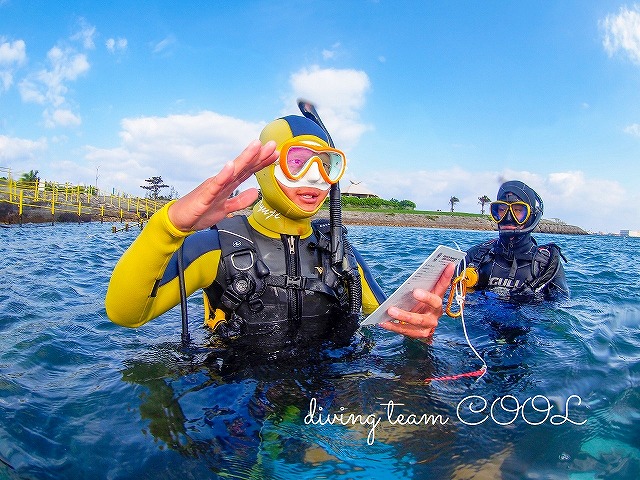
[(30, 177), (482, 201), (453, 201)]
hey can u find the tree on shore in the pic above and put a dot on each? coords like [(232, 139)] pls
[(154, 186), (453, 200), (483, 200), (30, 177)]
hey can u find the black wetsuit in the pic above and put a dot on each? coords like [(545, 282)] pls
[(516, 267)]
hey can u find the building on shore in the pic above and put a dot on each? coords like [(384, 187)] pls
[(630, 233), (356, 189)]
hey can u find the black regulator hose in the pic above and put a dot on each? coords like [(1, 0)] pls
[(354, 282)]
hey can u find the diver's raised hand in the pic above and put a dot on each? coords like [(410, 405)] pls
[(422, 320), (209, 202)]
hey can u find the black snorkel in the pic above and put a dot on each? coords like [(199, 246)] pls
[(335, 205), (338, 244)]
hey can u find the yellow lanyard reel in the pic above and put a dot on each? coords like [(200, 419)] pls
[(467, 279)]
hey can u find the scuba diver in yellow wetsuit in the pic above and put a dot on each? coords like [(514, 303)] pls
[(513, 265), (273, 280)]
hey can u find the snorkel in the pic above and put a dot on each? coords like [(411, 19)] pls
[(335, 204), (339, 263)]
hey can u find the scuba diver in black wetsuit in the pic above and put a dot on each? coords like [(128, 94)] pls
[(275, 278), (514, 266)]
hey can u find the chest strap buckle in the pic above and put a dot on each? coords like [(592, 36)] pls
[(294, 282)]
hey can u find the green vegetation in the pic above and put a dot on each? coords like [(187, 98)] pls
[(371, 203), (417, 212), (76, 189), (393, 206), (31, 176)]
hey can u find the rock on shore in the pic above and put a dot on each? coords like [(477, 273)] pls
[(350, 217)]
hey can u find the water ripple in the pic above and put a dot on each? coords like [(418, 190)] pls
[(84, 398)]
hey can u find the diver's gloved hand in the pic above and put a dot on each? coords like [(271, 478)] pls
[(422, 321), (209, 202)]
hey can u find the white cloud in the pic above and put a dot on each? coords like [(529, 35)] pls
[(186, 149), (85, 34), (61, 117), (49, 86), (328, 54), (67, 65), (6, 80), (12, 55), (622, 33), (164, 44), (633, 129), (116, 45), (339, 95), (12, 52), (14, 150), (30, 91), (183, 149)]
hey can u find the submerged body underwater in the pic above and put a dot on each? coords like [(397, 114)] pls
[(82, 397)]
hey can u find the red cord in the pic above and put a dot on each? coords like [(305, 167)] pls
[(477, 373)]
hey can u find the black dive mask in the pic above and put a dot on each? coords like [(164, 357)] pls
[(518, 206)]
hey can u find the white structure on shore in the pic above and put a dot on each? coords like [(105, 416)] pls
[(629, 233), (356, 189)]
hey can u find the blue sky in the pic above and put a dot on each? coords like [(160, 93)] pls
[(428, 99)]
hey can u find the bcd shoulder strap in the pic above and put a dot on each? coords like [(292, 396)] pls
[(545, 265), (484, 253)]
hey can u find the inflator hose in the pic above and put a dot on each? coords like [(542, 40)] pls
[(183, 298)]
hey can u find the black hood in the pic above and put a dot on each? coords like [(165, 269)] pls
[(526, 194)]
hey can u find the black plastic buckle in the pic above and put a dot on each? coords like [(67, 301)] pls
[(293, 282)]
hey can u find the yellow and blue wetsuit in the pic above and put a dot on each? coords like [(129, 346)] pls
[(145, 284)]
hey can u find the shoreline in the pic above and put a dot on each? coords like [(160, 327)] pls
[(10, 216), (353, 217)]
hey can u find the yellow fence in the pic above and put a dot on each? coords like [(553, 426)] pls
[(55, 198)]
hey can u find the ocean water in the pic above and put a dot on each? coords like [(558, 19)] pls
[(83, 398)]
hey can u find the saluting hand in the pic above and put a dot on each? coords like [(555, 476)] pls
[(209, 202)]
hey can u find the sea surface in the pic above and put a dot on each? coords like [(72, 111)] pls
[(81, 397)]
